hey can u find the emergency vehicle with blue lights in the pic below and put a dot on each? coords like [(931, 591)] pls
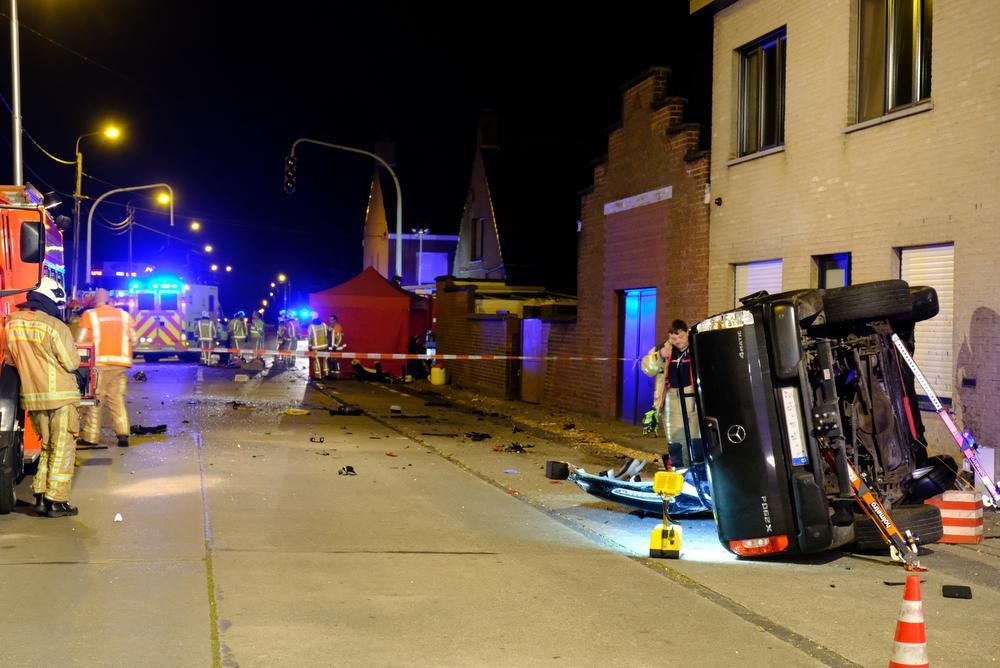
[(159, 305)]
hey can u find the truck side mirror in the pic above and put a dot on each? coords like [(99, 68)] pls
[(32, 244)]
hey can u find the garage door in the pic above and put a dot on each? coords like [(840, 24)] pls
[(934, 266), (755, 276)]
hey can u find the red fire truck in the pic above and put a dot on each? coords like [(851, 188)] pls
[(31, 246)]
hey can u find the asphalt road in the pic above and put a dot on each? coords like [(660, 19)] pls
[(240, 545)]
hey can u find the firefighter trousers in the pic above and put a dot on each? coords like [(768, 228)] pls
[(206, 351), (112, 384), (239, 342), (675, 424), (57, 428), (318, 365)]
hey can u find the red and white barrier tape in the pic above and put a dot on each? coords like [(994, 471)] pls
[(260, 352)]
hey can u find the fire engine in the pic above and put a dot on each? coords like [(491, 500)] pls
[(31, 246), (160, 304)]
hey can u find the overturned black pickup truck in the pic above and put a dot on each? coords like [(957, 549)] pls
[(796, 389)]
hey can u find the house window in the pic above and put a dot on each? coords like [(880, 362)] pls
[(756, 276), (894, 55), (476, 239), (834, 270), (762, 94), (934, 266)]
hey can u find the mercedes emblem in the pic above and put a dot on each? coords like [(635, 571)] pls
[(736, 433)]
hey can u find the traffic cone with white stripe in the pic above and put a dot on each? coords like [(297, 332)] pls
[(910, 647)]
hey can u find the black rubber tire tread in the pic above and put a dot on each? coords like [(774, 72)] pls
[(880, 300), (941, 479), (8, 480), (923, 521), (925, 302)]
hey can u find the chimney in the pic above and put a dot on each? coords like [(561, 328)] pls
[(488, 132)]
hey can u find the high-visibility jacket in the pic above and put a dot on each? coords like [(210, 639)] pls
[(291, 331), (317, 336), (337, 338), (42, 349), (112, 331), (257, 326), (207, 329), (237, 328)]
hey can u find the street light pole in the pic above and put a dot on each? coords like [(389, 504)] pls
[(90, 216), (15, 80), (399, 192)]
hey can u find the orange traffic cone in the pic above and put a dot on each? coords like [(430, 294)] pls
[(910, 647)]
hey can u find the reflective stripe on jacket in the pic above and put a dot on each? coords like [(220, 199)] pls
[(112, 332), (42, 349), (317, 337)]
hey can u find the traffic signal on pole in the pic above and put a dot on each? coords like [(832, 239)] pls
[(290, 164)]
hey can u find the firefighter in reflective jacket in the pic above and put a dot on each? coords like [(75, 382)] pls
[(208, 332), (112, 331), (257, 334), (319, 341), (40, 345), (336, 341), (237, 329)]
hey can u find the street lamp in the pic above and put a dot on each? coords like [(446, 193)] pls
[(420, 251), (110, 132), (215, 267), (97, 202), (229, 267), (195, 226), (208, 248), (263, 302), (399, 192)]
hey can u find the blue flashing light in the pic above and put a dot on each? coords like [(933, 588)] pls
[(305, 313), (156, 286)]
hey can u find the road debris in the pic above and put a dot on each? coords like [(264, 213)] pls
[(140, 430), (238, 404), (396, 410), (296, 411), (241, 378), (432, 433), (345, 410), (118, 518), (515, 447), (568, 426), (555, 470), (390, 454), (139, 377), (956, 591), (477, 435), (438, 404), (347, 470), (317, 439), (512, 471)]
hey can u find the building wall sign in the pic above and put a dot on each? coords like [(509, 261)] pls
[(634, 202)]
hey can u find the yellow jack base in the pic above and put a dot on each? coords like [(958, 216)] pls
[(665, 542)]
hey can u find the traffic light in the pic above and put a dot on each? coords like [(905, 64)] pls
[(290, 164)]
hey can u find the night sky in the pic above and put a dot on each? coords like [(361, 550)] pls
[(210, 96)]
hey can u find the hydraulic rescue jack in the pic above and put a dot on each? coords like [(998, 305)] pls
[(665, 541)]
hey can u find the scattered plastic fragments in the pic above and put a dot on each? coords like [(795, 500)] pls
[(568, 426), (956, 591), (477, 436), (391, 454), (396, 409), (296, 411), (347, 470), (139, 377), (241, 378), (518, 448), (119, 518), (317, 439), (238, 404), (140, 430), (512, 471), (345, 410)]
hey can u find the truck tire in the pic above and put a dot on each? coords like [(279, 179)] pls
[(925, 302), (880, 300), (923, 521), (11, 458)]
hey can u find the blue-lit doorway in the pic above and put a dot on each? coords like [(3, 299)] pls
[(638, 328)]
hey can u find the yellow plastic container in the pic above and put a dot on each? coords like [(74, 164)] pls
[(439, 375)]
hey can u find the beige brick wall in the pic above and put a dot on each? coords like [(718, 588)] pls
[(928, 178)]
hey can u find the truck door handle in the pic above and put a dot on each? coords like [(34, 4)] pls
[(714, 437)]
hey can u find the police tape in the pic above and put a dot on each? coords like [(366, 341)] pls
[(340, 355)]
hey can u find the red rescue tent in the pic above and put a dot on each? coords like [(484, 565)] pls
[(377, 316)]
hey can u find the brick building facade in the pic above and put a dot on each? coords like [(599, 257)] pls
[(643, 226), (887, 151)]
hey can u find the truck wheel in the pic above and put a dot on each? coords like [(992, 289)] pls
[(10, 469), (925, 302), (923, 521), (880, 300)]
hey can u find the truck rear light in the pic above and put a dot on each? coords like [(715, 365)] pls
[(755, 547)]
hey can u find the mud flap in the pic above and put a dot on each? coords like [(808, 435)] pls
[(815, 528)]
